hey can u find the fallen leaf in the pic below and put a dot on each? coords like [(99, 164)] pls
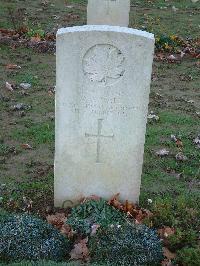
[(70, 7), (179, 143), (92, 197), (73, 16), (130, 209), (181, 157), (80, 251), (9, 86), (25, 86), (159, 57), (198, 113), (139, 217), (7, 32), (66, 230), (173, 138), (50, 36), (149, 201), (166, 231), (26, 146), (153, 117), (142, 214), (52, 91), (114, 201), (182, 54), (197, 141), (168, 254), (129, 206), (191, 101), (172, 58), (12, 66), (36, 39), (167, 262), (20, 106), (27, 204), (162, 153), (174, 8), (94, 227), (57, 220)]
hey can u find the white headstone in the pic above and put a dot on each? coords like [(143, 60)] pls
[(108, 12), (102, 95)]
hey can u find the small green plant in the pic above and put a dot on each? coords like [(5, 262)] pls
[(128, 244), (94, 212), (24, 237), (36, 33), (168, 43)]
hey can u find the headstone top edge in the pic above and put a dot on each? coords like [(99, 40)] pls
[(107, 28)]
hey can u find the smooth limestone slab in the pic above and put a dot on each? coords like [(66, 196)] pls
[(102, 95), (108, 12)]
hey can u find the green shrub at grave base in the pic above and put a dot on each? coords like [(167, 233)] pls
[(24, 237), (93, 212), (188, 256), (41, 263), (128, 244)]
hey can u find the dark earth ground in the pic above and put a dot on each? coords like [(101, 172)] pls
[(172, 185)]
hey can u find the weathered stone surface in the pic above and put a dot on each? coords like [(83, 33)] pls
[(102, 94), (108, 12)]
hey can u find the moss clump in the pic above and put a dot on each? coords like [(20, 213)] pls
[(94, 212), (24, 237), (128, 244)]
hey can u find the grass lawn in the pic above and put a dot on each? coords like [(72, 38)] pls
[(27, 171)]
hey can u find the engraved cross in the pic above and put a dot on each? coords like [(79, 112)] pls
[(98, 136)]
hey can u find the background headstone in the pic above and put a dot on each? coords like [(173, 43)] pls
[(102, 94), (108, 12)]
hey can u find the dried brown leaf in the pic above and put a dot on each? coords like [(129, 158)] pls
[(26, 146), (12, 66), (80, 251), (166, 232), (95, 227), (92, 197), (129, 206), (114, 201), (168, 254), (57, 220), (66, 230), (36, 39), (179, 143), (10, 86), (167, 262)]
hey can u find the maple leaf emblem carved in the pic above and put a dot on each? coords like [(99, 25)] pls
[(104, 63)]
